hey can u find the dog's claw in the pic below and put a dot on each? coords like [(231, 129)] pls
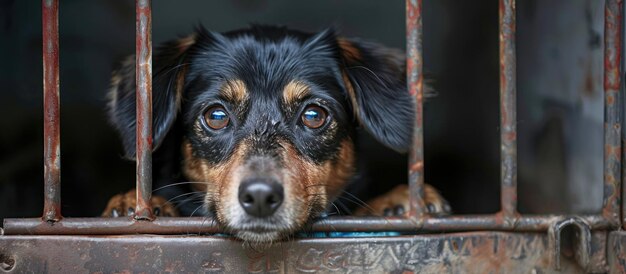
[(398, 210), (396, 202), (431, 208), (124, 205)]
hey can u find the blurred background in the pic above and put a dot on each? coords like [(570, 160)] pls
[(559, 74)]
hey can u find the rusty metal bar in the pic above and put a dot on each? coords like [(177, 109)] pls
[(508, 127), (415, 84), (612, 110), (51, 109), (170, 225), (143, 72)]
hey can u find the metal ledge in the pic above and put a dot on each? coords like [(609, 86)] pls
[(480, 252)]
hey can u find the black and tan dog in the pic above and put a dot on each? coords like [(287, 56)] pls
[(263, 121)]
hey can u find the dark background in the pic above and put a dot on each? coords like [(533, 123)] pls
[(559, 86)]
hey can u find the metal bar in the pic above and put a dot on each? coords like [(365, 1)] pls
[(171, 225), (51, 109), (415, 84), (143, 72), (508, 128), (612, 110)]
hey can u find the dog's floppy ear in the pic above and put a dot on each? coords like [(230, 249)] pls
[(375, 81), (168, 72)]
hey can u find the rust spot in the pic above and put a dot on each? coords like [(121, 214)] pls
[(610, 99), (417, 166), (455, 246)]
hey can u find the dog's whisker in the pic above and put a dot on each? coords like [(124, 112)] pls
[(181, 195), (194, 211), (195, 199), (357, 201), (179, 183)]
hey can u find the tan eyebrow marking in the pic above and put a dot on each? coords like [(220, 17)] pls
[(234, 90), (294, 91)]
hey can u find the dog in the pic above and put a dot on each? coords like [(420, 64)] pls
[(261, 124)]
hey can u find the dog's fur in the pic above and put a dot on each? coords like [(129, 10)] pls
[(263, 78)]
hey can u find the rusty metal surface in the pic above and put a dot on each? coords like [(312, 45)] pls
[(478, 252), (616, 252), (582, 244), (51, 109), (508, 112), (143, 72), (415, 85), (185, 225), (612, 109)]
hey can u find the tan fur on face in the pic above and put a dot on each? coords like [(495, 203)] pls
[(294, 91), (220, 178), (308, 186), (317, 184), (235, 90)]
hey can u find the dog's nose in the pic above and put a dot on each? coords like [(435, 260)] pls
[(259, 198)]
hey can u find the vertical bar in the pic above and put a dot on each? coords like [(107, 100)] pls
[(143, 72), (415, 84), (508, 127), (612, 110), (51, 109)]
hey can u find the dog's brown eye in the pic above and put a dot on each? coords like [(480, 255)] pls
[(313, 116), (216, 117)]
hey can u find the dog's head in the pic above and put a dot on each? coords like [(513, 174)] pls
[(269, 117)]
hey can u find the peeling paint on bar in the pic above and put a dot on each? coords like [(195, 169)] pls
[(51, 109), (143, 71), (508, 116), (612, 110), (415, 84)]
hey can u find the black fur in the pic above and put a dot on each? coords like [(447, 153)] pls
[(266, 59), (385, 108)]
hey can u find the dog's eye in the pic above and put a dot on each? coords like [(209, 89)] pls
[(216, 117), (314, 116)]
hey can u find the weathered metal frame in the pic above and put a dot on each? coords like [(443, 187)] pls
[(507, 219)]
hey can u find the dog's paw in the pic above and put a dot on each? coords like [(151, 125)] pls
[(396, 203), (124, 205)]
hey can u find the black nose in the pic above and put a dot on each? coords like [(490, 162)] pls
[(259, 198)]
